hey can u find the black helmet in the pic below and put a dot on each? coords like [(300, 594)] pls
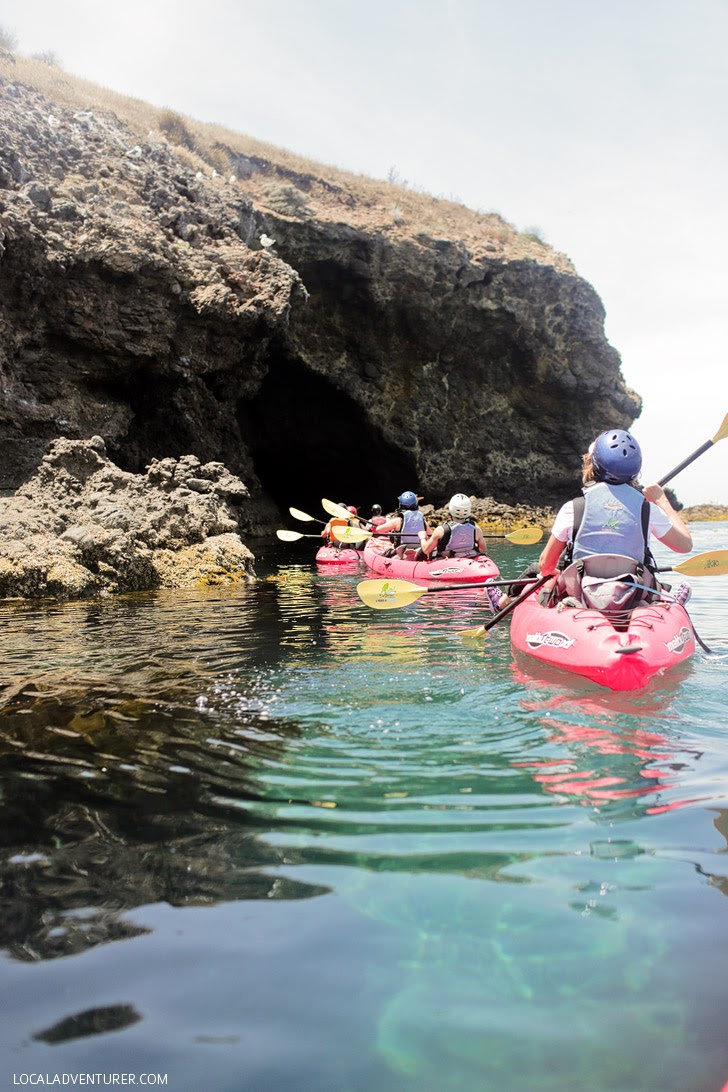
[(376, 509)]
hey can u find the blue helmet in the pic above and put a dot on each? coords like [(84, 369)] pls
[(408, 499), (616, 457)]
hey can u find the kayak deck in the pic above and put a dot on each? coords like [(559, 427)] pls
[(653, 639)]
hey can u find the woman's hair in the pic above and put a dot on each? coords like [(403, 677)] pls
[(587, 469)]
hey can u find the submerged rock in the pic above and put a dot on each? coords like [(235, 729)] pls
[(81, 526)]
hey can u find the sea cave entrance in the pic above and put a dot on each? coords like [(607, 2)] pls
[(309, 440)]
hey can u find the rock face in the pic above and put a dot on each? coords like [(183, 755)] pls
[(81, 526), (336, 354)]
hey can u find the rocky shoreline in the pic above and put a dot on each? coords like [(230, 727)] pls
[(81, 527)]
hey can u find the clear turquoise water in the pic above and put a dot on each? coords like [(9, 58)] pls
[(270, 839)]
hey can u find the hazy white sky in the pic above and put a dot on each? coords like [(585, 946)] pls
[(603, 123)]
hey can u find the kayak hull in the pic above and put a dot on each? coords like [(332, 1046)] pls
[(331, 556), (455, 570), (586, 643)]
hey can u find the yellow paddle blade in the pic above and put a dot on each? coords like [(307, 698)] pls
[(289, 536), (336, 510), (525, 536), (298, 514), (349, 534), (722, 431), (476, 632), (712, 563), (388, 594)]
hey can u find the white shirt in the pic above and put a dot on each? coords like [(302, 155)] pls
[(658, 526)]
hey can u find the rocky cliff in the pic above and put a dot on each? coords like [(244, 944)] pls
[(301, 330)]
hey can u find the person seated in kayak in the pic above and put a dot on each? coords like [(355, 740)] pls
[(458, 537), (614, 516), (376, 518), (408, 528), (359, 524), (336, 521)]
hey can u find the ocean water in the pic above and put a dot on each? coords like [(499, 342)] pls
[(271, 839)]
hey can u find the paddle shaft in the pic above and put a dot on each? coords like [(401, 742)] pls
[(686, 462), (720, 435), (519, 599)]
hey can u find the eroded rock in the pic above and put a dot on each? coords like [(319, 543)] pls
[(81, 526)]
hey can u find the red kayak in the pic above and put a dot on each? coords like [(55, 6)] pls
[(586, 642), (453, 570), (332, 555)]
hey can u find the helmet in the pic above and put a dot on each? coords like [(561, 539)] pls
[(352, 509), (376, 509), (460, 506), (616, 457), (408, 499)]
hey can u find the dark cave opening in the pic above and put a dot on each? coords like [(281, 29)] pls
[(309, 440)]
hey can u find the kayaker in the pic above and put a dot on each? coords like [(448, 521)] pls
[(339, 522), (376, 519), (614, 515), (408, 527), (458, 537)]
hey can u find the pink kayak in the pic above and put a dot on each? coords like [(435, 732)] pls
[(585, 641), (454, 570), (332, 555)]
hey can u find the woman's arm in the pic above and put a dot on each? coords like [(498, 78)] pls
[(678, 538), (550, 555)]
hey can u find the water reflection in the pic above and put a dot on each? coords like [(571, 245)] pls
[(112, 800), (604, 759)]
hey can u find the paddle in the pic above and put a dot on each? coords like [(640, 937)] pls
[(352, 534), (720, 435), (338, 511), (388, 594), (711, 563), (293, 536), (304, 517), (524, 537)]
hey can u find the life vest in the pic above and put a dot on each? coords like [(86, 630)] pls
[(614, 519), (458, 540), (328, 532), (412, 523)]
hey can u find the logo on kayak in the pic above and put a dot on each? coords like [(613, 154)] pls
[(446, 571), (678, 642), (552, 639)]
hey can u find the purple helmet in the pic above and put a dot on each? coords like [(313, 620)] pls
[(616, 457)]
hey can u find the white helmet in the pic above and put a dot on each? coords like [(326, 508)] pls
[(460, 506)]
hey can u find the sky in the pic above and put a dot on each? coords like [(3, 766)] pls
[(602, 124)]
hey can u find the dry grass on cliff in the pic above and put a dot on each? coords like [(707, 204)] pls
[(288, 184)]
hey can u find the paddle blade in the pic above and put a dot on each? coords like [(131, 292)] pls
[(473, 634), (336, 510), (722, 431), (289, 536), (349, 534), (712, 563), (525, 536), (389, 594), (303, 516)]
